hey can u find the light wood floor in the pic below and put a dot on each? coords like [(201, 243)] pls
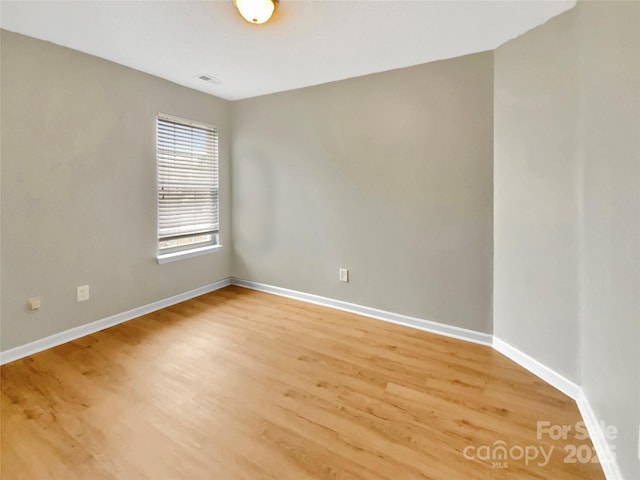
[(239, 384)]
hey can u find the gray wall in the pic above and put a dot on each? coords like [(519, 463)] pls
[(388, 175), (536, 195), (610, 124), (78, 188), (567, 118)]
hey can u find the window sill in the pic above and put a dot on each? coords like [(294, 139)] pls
[(195, 252)]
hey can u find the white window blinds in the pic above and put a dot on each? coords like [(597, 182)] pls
[(187, 184)]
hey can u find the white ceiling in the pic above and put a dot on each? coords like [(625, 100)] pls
[(306, 43)]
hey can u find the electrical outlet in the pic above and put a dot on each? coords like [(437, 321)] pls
[(33, 303), (344, 275), (82, 293)]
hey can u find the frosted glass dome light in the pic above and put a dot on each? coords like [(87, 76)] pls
[(256, 11)]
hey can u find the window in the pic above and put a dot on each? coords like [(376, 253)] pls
[(187, 187)]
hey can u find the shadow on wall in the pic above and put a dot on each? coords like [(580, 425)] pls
[(254, 174)]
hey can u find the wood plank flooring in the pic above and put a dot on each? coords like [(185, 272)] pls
[(238, 384)]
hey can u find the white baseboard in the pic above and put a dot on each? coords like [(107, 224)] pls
[(550, 376), (569, 388), (606, 455), (419, 323), (82, 330)]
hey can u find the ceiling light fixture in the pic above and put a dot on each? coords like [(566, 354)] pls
[(256, 11)]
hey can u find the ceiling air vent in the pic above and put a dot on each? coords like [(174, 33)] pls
[(209, 78)]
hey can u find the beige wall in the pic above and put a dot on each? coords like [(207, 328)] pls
[(78, 188), (388, 175), (567, 206)]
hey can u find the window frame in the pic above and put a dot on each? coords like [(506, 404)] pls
[(169, 254)]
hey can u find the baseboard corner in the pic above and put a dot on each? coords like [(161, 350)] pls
[(536, 367), (397, 318)]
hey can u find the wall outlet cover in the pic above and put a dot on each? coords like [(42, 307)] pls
[(82, 293), (344, 275)]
